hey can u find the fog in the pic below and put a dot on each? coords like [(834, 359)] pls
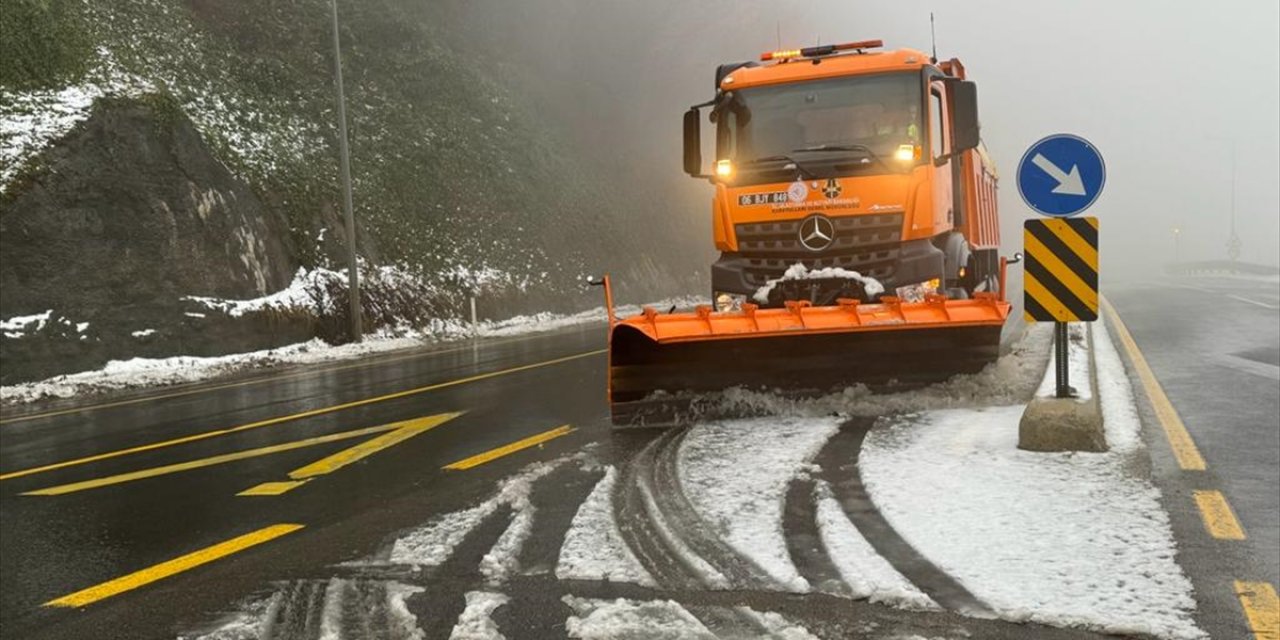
[(1166, 90)]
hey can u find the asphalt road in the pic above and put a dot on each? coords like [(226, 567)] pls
[(1214, 345), (70, 537)]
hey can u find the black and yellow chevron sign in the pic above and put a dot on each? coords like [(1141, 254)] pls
[(1060, 281)]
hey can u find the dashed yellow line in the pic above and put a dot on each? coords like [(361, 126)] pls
[(172, 567), (289, 418), (1261, 608), (1184, 448), (1219, 519), (494, 454)]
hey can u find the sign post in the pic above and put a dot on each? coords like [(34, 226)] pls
[(1061, 176)]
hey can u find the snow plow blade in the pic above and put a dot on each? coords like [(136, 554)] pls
[(659, 364)]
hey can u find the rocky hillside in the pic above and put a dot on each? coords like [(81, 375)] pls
[(154, 150)]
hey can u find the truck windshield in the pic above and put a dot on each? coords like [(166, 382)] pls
[(808, 123)]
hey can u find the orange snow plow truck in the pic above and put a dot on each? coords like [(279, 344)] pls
[(855, 213)]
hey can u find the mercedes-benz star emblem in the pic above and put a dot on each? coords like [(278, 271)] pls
[(817, 232)]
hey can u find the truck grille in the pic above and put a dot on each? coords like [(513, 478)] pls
[(868, 244)]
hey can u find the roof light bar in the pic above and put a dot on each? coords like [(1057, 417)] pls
[(824, 50)]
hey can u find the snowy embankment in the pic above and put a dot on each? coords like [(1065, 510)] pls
[(1065, 539), (155, 372)]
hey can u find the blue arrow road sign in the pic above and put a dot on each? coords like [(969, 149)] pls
[(1061, 175)]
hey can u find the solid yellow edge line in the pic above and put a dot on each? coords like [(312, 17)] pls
[(1219, 520), (172, 567), (288, 418), (401, 431), (493, 454), (1261, 608), (203, 462), (1184, 448)]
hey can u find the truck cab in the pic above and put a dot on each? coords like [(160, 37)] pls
[(843, 172)]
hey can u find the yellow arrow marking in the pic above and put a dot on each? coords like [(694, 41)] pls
[(493, 454), (1261, 608), (295, 416), (203, 462), (172, 567), (397, 432)]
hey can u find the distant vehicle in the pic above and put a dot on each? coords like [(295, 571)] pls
[(855, 213)]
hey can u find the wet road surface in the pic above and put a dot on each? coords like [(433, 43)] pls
[(339, 459)]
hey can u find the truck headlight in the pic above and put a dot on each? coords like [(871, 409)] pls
[(730, 301)]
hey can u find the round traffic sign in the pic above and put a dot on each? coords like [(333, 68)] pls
[(1061, 175)]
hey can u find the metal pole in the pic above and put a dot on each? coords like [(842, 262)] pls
[(1060, 360), (353, 278)]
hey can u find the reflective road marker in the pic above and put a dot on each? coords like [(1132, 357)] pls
[(172, 567), (494, 454)]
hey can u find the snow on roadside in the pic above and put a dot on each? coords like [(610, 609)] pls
[(593, 547), (155, 372), (866, 572), (1077, 365), (624, 619), (1065, 539), (476, 622), (736, 473)]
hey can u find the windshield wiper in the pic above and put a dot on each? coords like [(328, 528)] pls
[(845, 147), (804, 173)]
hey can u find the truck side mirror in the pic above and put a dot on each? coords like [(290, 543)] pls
[(965, 106), (693, 142)]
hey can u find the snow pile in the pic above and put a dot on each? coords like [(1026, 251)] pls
[(736, 474), (593, 547), (622, 619), (152, 372), (1066, 539), (16, 326), (867, 573), (1012, 378), (798, 271), (476, 622)]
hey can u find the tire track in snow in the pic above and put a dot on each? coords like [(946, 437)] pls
[(839, 463), (671, 541), (804, 541)]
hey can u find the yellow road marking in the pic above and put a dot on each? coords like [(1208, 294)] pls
[(1184, 448), (203, 462), (493, 454), (172, 567), (273, 488), (1219, 519), (201, 387), (400, 431), (297, 416), (1261, 608)]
